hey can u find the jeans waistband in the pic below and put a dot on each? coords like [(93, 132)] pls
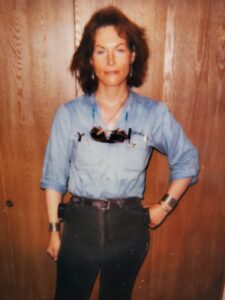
[(105, 204)]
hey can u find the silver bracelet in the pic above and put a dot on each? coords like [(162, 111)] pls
[(169, 200), (53, 227)]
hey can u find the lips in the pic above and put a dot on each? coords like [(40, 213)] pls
[(111, 73)]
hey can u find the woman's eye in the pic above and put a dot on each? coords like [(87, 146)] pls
[(121, 50), (100, 52)]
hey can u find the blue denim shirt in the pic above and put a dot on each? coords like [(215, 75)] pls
[(88, 168)]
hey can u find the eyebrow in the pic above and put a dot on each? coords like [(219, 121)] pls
[(118, 45)]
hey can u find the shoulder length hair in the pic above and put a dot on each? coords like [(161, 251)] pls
[(136, 41)]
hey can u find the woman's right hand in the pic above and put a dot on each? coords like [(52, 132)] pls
[(54, 245)]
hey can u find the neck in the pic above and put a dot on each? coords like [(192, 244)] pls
[(111, 101), (111, 96)]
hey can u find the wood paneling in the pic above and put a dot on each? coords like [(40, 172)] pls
[(192, 240), (37, 41), (186, 71)]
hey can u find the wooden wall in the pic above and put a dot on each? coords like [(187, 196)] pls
[(186, 70)]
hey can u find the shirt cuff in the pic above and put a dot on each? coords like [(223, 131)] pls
[(193, 176), (53, 186)]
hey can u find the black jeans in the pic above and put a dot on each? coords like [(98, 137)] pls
[(113, 242)]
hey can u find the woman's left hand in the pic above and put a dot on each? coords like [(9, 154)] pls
[(157, 215)]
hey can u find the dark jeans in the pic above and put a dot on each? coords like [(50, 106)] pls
[(113, 242)]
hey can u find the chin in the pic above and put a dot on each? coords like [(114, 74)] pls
[(114, 82)]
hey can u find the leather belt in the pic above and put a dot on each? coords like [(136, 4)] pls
[(105, 204)]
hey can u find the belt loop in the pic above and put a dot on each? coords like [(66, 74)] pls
[(82, 201)]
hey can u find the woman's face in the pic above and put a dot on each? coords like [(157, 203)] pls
[(111, 58)]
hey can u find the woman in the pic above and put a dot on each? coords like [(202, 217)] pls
[(98, 150)]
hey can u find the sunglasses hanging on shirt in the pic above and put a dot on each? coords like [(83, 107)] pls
[(110, 136)]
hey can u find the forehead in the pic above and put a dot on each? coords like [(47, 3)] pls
[(109, 35)]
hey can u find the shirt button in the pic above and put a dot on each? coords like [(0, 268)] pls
[(108, 179)]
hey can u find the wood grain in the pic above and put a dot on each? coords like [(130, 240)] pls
[(37, 43)]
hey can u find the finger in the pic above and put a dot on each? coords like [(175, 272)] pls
[(55, 258), (152, 225), (55, 255), (51, 253)]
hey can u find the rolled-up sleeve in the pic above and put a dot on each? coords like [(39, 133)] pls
[(171, 140), (57, 157)]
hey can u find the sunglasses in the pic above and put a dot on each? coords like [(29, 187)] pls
[(110, 136)]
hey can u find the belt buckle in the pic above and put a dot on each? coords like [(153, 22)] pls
[(105, 201)]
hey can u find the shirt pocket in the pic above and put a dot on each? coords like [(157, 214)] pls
[(137, 153), (87, 154)]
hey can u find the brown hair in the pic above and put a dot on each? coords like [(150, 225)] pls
[(136, 41)]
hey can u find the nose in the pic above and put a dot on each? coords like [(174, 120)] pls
[(110, 58)]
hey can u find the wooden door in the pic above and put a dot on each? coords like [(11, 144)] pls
[(186, 70), (37, 42)]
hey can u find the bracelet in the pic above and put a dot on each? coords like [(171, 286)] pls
[(169, 200), (53, 227), (164, 208)]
